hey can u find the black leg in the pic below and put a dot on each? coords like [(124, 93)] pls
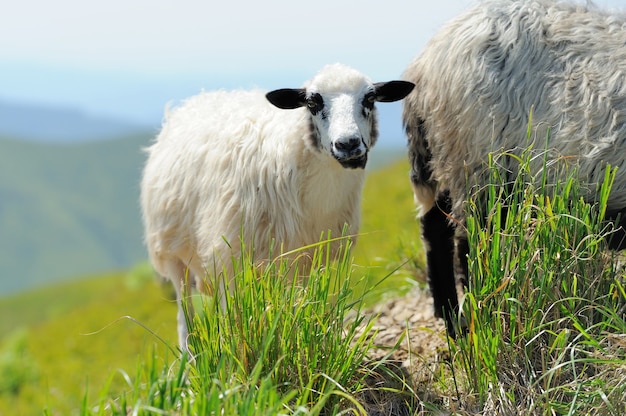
[(438, 235), (462, 251), (617, 239)]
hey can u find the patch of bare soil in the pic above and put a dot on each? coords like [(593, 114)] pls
[(409, 370)]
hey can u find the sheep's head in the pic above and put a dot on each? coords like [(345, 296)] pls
[(341, 102)]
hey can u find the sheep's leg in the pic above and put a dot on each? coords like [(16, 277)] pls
[(617, 239), (462, 251), (181, 277), (438, 234), (185, 311)]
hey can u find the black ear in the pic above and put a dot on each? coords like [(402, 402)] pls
[(387, 92), (287, 98)]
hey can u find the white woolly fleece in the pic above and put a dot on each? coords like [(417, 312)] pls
[(482, 74), (231, 168), (228, 165)]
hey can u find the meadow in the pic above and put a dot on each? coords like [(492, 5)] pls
[(63, 341), (66, 212), (544, 323)]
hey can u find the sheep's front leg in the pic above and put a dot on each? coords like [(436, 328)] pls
[(180, 277), (438, 236), (617, 239), (182, 327), (462, 252)]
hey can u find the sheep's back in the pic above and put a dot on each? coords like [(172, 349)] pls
[(480, 77)]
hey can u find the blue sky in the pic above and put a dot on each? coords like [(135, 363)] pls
[(128, 58)]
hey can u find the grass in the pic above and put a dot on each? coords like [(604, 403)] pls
[(46, 328), (63, 338), (546, 303), (545, 314), (279, 347), (283, 348)]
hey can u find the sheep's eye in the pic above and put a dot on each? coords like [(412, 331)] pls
[(315, 103)]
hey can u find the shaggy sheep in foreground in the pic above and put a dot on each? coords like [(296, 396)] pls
[(280, 168), (478, 80)]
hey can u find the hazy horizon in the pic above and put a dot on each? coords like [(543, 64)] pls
[(127, 60)]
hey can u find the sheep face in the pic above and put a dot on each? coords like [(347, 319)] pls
[(340, 102)]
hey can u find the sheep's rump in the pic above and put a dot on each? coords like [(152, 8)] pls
[(479, 78)]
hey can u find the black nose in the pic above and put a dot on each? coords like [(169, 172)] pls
[(348, 145)]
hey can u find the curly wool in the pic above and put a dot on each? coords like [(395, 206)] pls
[(478, 81), (229, 166), (480, 77)]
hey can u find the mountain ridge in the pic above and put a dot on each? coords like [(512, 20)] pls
[(58, 124)]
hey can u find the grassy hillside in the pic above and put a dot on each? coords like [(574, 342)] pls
[(544, 312), (62, 339), (72, 210), (46, 360), (68, 210), (389, 246)]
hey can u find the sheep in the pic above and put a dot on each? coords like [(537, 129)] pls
[(254, 168), (478, 81)]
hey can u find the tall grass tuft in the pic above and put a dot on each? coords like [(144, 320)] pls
[(280, 346), (546, 304)]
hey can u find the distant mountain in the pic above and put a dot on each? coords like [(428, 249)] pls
[(59, 124)]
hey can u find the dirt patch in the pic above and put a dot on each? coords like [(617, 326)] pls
[(410, 369), (411, 319)]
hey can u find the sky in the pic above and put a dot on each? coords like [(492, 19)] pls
[(128, 58)]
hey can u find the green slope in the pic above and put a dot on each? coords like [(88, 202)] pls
[(389, 245), (47, 361), (69, 337), (68, 209), (72, 210)]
